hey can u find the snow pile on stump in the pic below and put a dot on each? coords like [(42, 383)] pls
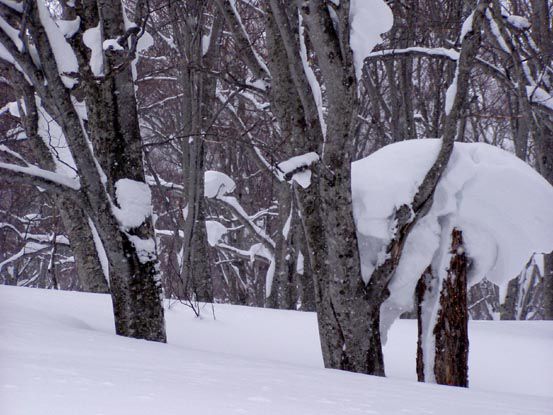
[(502, 206)]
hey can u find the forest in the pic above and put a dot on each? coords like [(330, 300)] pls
[(370, 161)]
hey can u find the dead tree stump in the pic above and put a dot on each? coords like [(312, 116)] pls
[(451, 329)]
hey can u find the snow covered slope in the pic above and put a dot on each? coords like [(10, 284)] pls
[(58, 355)]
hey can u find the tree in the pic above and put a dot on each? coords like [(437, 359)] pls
[(82, 77)]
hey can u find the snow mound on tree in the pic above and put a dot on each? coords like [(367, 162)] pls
[(217, 184), (135, 203), (502, 206), (215, 231)]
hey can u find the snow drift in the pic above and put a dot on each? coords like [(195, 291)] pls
[(59, 355)]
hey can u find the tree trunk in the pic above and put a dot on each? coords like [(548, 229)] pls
[(87, 260), (450, 330)]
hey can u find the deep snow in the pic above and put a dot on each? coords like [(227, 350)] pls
[(58, 355)]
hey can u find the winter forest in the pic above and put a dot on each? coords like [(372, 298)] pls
[(251, 192)]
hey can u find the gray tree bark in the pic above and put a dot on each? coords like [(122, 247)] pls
[(75, 221), (106, 150)]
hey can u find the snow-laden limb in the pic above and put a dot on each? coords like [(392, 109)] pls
[(215, 232), (467, 26), (36, 237), (369, 19), (232, 17), (539, 96), (218, 187), (155, 181), (519, 22), (500, 203), (297, 168), (217, 184), (135, 203), (232, 203), (30, 248), (450, 54), (497, 33), (12, 33), (13, 4), (100, 250), (313, 82), (265, 249), (247, 254), (64, 55), (69, 27), (40, 177)]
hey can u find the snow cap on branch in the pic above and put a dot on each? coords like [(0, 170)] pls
[(297, 169), (369, 19), (217, 184)]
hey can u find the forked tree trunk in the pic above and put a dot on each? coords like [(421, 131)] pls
[(450, 331)]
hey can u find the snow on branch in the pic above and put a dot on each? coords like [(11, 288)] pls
[(450, 54), (39, 177), (234, 206), (537, 95), (297, 168), (30, 248), (13, 4), (38, 238)]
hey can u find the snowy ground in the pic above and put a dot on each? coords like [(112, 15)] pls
[(58, 355)]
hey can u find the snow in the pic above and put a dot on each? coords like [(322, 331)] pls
[(215, 231), (92, 38), (296, 162), (501, 205), (63, 53), (69, 27), (102, 256), (369, 19), (451, 92), (206, 41), (60, 346), (217, 184), (286, 227), (539, 96), (111, 44), (35, 171), (519, 22), (145, 248), (12, 33), (467, 26), (145, 42), (311, 78), (135, 203), (497, 33), (14, 5), (448, 53)]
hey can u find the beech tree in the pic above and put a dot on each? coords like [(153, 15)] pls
[(78, 61)]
